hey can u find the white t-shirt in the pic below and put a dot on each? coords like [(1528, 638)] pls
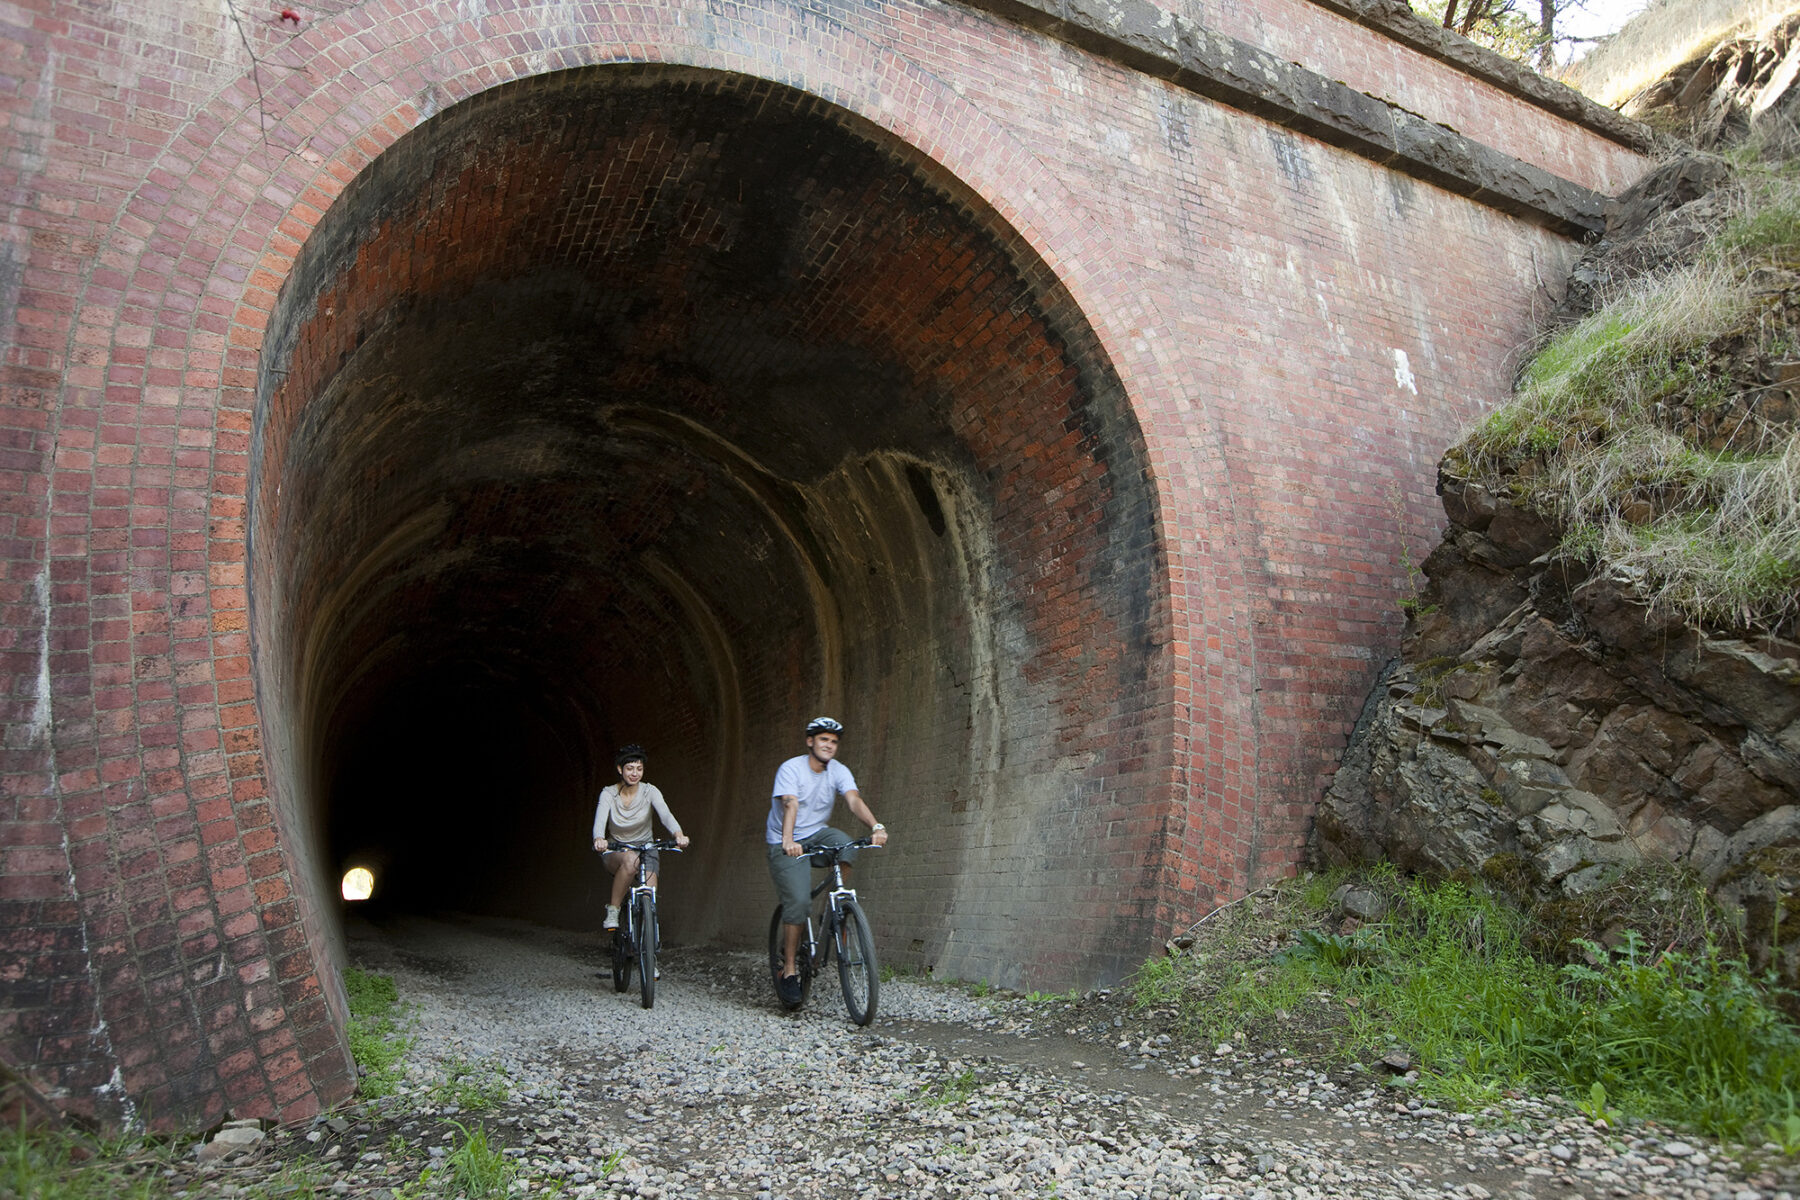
[(818, 792)]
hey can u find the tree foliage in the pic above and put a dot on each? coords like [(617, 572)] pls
[(1508, 26)]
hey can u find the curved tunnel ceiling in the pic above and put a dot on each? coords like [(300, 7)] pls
[(666, 406)]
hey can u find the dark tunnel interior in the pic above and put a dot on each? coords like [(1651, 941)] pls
[(662, 406)]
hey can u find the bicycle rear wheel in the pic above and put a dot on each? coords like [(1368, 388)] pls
[(858, 971), (646, 948)]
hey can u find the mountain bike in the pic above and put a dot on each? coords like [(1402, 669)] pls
[(842, 929), (637, 938)]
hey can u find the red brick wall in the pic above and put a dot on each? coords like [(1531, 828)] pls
[(1244, 294)]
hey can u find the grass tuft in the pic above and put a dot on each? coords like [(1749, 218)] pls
[(950, 1090), (479, 1170)]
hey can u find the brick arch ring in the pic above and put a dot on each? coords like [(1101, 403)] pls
[(326, 130)]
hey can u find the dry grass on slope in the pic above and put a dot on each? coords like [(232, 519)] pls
[(1660, 432)]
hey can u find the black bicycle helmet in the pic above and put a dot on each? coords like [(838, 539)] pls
[(631, 753), (822, 725)]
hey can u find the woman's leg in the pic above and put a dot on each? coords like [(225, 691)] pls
[(624, 868)]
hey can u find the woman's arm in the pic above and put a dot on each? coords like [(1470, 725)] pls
[(662, 811), (602, 811)]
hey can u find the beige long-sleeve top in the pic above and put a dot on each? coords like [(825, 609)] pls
[(631, 819)]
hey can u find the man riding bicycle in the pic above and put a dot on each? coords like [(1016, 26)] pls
[(806, 790)]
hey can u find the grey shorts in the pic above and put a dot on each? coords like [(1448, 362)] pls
[(793, 876), (610, 860)]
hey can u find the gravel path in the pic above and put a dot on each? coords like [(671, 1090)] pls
[(715, 1092)]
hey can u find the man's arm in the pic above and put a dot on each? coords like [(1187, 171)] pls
[(790, 812), (861, 812)]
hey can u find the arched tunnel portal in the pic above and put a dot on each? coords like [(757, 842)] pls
[(646, 404)]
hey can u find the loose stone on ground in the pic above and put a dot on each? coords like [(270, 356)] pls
[(715, 1092)]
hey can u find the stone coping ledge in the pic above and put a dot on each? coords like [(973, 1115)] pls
[(1137, 34), (1396, 20)]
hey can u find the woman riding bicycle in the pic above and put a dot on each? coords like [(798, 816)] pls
[(806, 790), (626, 806)]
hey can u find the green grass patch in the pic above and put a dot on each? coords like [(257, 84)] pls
[(469, 1087), (1688, 1037), (376, 1042), (52, 1164), (1037, 998), (951, 1089), (299, 1180)]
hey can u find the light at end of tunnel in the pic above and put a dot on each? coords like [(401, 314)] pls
[(359, 883)]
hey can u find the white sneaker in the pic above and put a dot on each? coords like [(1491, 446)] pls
[(612, 917)]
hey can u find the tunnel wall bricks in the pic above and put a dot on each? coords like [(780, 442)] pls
[(1300, 333)]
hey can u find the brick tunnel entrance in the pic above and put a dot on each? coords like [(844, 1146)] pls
[(667, 406)]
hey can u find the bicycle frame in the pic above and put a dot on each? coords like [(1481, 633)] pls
[(839, 924), (630, 940), (829, 914)]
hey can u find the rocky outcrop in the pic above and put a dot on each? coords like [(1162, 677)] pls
[(1546, 728), (1742, 83)]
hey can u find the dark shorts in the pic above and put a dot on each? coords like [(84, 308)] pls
[(793, 876), (610, 860)]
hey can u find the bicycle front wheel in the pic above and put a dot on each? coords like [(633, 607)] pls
[(621, 961), (646, 948), (858, 971)]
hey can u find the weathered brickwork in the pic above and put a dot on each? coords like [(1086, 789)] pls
[(1088, 416)]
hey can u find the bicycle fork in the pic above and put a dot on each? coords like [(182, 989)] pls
[(631, 906), (833, 928)]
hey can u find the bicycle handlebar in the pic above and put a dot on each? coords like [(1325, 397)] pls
[(652, 844), (824, 856)]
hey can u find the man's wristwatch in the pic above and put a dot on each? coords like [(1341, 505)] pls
[(877, 827)]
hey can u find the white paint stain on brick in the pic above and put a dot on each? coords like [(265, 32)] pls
[(114, 1087), (1403, 376), (39, 727)]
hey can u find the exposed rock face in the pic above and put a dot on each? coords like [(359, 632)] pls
[(1741, 83), (1546, 728)]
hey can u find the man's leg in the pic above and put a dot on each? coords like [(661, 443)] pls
[(792, 877), (790, 947)]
